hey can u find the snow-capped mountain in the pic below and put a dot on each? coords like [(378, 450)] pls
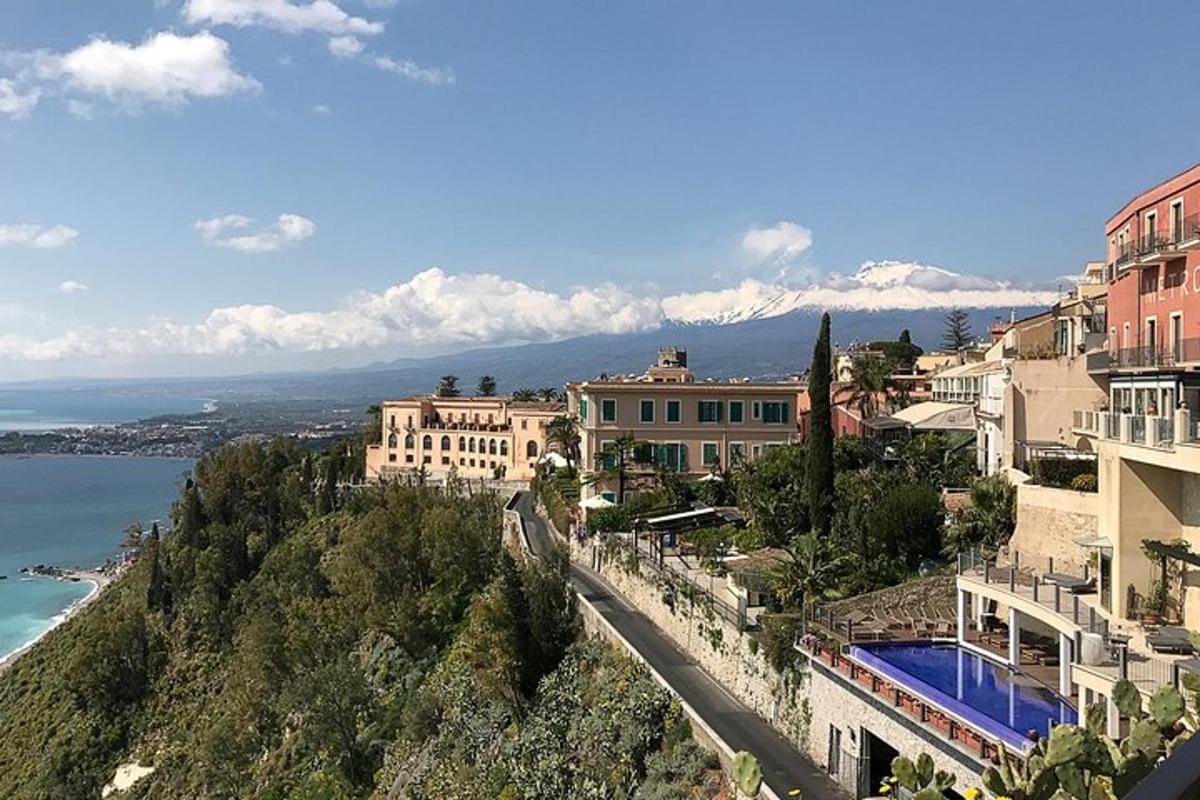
[(875, 286)]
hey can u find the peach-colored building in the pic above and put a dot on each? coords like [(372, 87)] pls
[(479, 437), (690, 426)]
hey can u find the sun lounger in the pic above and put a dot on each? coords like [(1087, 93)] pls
[(1072, 583)]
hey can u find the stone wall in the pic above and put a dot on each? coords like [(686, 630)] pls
[(1049, 522)]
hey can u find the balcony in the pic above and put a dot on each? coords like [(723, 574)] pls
[(1138, 429), (1158, 246)]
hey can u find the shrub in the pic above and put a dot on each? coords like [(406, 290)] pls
[(1060, 472), (1084, 483), (777, 638), (608, 520)]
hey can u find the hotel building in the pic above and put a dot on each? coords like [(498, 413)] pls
[(687, 426), (479, 437)]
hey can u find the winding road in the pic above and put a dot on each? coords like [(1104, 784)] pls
[(784, 768)]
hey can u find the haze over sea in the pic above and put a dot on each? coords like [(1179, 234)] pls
[(69, 511), (33, 410)]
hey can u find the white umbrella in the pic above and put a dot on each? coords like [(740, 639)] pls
[(555, 459), (596, 501), (712, 476)]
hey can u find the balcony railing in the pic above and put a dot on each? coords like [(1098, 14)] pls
[(1159, 244), (1140, 429), (1144, 356)]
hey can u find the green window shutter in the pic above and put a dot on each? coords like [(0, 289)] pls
[(735, 410), (683, 458)]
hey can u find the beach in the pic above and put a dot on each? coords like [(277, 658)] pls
[(98, 578)]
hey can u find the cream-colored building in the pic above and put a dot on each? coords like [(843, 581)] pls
[(479, 437), (688, 426)]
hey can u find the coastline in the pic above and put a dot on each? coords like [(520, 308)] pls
[(99, 579)]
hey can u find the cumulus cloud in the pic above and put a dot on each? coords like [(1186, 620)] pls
[(322, 110), (780, 244), (72, 287), (433, 308), (875, 286), (346, 46), (165, 69), (232, 231), (323, 16), (42, 237), (15, 101)]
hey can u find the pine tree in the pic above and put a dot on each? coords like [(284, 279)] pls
[(957, 333), (820, 435), (487, 386), (448, 386)]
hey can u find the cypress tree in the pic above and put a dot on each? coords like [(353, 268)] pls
[(820, 435)]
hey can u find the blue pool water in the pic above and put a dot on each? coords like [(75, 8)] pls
[(998, 700)]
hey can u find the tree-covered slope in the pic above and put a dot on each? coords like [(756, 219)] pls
[(290, 641)]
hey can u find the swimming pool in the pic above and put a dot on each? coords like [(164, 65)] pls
[(997, 700)]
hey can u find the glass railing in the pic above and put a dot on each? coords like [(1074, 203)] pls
[(1137, 428), (1162, 430)]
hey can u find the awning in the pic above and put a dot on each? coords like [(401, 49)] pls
[(1095, 541), (596, 501)]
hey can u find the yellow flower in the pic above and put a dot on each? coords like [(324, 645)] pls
[(793, 792), (974, 793), (885, 788)]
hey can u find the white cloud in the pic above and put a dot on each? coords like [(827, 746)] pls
[(322, 110), (42, 237), (165, 69), (433, 308), (223, 231), (875, 286), (346, 46), (780, 244), (72, 287), (17, 102), (323, 16), (434, 76)]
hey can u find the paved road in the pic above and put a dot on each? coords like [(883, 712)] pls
[(783, 766)]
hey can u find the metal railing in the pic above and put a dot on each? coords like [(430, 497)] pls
[(1137, 428), (1143, 356), (1162, 431)]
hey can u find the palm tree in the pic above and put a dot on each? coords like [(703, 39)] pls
[(615, 459), (806, 573), (563, 431), (550, 394), (868, 381), (524, 396)]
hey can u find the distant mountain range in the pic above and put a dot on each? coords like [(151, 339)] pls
[(751, 342), (768, 348)]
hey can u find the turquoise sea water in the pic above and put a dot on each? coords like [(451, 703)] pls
[(69, 511), (41, 409)]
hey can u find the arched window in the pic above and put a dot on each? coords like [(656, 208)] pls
[(492, 447), (531, 449), (503, 447), (471, 444), (409, 442), (427, 442), (462, 443), (445, 442), (392, 440)]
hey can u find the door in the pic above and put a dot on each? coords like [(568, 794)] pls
[(1106, 579), (835, 750), (1177, 337)]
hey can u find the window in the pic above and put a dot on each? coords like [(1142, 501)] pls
[(445, 459), (609, 496), (462, 443), (426, 459), (391, 456), (608, 410), (735, 411), (756, 410), (503, 447), (471, 444), (674, 409), (583, 409), (524, 424), (492, 447), (392, 440), (409, 442), (445, 442), (427, 442), (672, 456), (711, 410), (1151, 334), (1177, 221), (531, 449), (709, 454), (775, 413), (737, 452), (408, 459), (392, 421), (646, 411), (1177, 336)]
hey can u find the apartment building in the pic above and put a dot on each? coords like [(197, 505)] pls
[(479, 437), (1147, 439), (687, 426)]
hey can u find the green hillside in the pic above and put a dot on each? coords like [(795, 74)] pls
[(290, 641)]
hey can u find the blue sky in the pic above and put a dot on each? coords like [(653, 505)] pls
[(568, 167)]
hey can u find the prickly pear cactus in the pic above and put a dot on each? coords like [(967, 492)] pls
[(1144, 737), (1127, 699), (925, 769), (1096, 718), (905, 772), (1166, 706), (1066, 745), (747, 773)]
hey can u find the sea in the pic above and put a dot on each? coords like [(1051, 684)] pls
[(71, 511), (33, 410)]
